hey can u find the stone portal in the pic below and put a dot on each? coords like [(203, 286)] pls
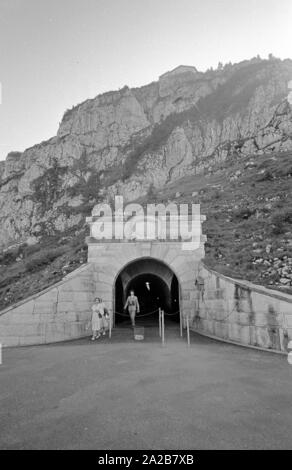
[(118, 265)]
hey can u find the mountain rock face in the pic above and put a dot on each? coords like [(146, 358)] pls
[(130, 140)]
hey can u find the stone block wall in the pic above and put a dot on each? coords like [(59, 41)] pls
[(221, 307), (59, 313), (242, 312)]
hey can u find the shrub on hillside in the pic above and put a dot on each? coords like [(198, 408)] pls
[(243, 213), (10, 256), (281, 220), (266, 176), (43, 258)]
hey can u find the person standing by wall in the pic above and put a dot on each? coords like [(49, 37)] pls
[(99, 319), (132, 304)]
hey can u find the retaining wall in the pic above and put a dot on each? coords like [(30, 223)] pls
[(225, 308), (58, 313), (242, 312)]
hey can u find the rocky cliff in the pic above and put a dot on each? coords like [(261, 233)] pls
[(126, 141)]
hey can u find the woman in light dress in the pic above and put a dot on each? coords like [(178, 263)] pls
[(99, 319)]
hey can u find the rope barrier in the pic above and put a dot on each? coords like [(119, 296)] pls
[(161, 320), (233, 309), (222, 319), (171, 314), (146, 314), (138, 316), (229, 313), (122, 314)]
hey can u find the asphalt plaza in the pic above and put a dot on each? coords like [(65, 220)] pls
[(126, 394)]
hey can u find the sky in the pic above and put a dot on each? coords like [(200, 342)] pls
[(56, 53)]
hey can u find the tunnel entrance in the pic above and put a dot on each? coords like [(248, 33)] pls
[(155, 285)]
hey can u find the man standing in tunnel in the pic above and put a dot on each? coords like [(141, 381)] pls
[(133, 307)]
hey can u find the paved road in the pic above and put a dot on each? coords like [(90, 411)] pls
[(136, 395)]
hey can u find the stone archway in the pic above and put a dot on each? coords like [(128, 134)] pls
[(155, 285), (115, 243), (108, 259)]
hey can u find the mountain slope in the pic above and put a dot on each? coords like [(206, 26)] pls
[(248, 204), (230, 128), (128, 140)]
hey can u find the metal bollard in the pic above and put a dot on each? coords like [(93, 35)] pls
[(162, 328), (159, 319), (110, 326), (188, 331), (0, 354)]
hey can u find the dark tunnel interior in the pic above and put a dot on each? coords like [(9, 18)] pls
[(152, 292)]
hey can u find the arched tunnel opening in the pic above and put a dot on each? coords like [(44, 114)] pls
[(155, 286)]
